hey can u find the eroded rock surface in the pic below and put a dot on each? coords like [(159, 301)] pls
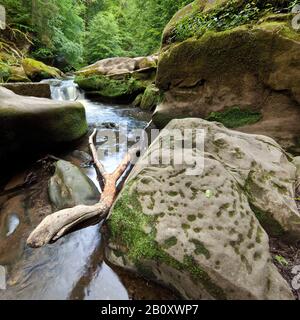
[(205, 234)]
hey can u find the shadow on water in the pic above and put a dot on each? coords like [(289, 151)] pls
[(74, 267)]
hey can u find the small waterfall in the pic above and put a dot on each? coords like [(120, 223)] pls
[(65, 90)]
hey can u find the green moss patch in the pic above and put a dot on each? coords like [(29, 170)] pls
[(200, 248), (235, 117)]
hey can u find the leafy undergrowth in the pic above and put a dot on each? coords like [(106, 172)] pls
[(233, 14)]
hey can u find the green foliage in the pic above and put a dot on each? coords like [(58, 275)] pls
[(234, 13), (54, 26), (128, 28), (235, 117), (281, 260)]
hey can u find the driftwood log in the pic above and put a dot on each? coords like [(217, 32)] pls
[(62, 222)]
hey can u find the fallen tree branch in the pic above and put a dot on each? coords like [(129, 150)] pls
[(62, 222)]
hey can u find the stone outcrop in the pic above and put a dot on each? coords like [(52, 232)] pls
[(243, 74), (205, 235)]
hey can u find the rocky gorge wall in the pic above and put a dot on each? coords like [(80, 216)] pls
[(242, 72)]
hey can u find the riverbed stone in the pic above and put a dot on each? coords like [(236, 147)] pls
[(69, 187), (205, 235), (29, 123)]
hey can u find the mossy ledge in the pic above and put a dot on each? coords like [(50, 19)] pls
[(126, 226)]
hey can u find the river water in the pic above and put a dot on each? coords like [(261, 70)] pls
[(73, 267)]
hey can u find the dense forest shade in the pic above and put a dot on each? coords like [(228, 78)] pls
[(71, 33)]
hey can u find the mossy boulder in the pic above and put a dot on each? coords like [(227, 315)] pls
[(31, 124), (69, 187), (196, 230), (151, 98), (252, 65), (121, 90), (117, 79), (37, 70)]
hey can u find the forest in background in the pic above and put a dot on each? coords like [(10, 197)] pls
[(72, 33)]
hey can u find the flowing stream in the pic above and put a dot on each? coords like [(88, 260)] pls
[(73, 267)]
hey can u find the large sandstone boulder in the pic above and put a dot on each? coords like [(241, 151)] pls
[(243, 74), (205, 235), (118, 79), (28, 123), (70, 187)]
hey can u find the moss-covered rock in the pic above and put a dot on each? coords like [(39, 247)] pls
[(28, 123), (121, 90), (249, 60), (151, 98), (37, 70), (118, 79), (200, 233)]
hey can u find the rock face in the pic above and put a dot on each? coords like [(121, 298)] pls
[(245, 75), (118, 79), (70, 187), (39, 90), (205, 235), (33, 123)]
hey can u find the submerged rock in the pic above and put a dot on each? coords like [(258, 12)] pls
[(204, 235), (70, 187), (243, 73), (32, 124), (117, 79)]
